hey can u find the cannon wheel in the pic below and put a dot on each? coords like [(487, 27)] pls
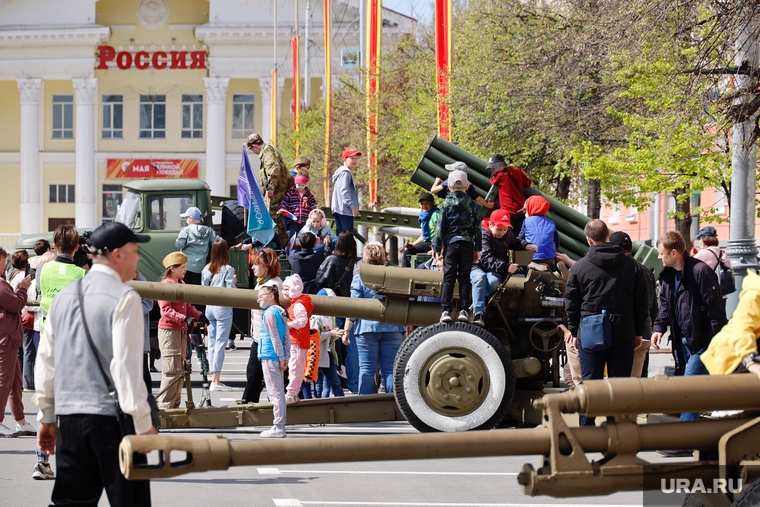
[(453, 377), (750, 497)]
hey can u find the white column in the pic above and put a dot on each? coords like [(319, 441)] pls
[(265, 131), (31, 207), (216, 122), (85, 90)]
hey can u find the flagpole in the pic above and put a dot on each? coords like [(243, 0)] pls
[(443, 65), (296, 92), (275, 87), (328, 94), (374, 39)]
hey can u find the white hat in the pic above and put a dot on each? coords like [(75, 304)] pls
[(458, 179)]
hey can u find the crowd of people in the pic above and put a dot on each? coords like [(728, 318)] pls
[(615, 311)]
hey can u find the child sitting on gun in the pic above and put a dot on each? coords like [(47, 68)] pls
[(458, 241), (299, 313), (540, 231), (317, 225)]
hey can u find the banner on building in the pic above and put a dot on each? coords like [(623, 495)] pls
[(152, 168)]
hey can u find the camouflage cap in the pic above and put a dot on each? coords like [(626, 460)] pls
[(254, 139), (301, 161)]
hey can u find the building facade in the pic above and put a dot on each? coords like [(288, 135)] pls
[(98, 92)]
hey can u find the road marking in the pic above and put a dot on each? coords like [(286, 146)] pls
[(278, 471), (292, 502)]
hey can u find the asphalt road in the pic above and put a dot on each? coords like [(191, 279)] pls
[(467, 482)]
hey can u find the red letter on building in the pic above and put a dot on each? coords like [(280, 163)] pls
[(124, 60), (159, 64), (107, 53), (178, 60), (139, 63), (198, 60)]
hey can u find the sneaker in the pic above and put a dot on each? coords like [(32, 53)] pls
[(6, 432), (291, 400), (219, 387), (274, 432), (26, 429), (478, 320), (445, 316), (28, 389), (42, 471), (231, 345), (464, 316)]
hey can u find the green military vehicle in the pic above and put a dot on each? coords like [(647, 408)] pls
[(154, 206)]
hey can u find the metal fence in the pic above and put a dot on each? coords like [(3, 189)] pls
[(8, 241)]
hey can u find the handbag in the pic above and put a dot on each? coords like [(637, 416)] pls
[(596, 330), (125, 420)]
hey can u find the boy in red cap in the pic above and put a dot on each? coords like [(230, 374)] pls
[(345, 203), (492, 269), (540, 230)]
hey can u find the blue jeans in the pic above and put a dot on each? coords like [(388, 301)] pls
[(351, 359), (374, 346), (329, 379), (694, 366), (483, 284), (220, 324), (343, 223), (619, 361)]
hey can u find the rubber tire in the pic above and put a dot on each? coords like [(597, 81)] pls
[(692, 500), (233, 224), (750, 497), (417, 349)]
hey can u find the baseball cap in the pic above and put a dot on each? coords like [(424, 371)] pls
[(496, 160), (458, 179), (112, 235), (350, 152), (622, 239), (191, 212), (708, 231), (457, 166), (500, 218), (426, 196), (254, 139)]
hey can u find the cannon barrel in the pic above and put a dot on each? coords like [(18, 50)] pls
[(219, 453), (390, 310)]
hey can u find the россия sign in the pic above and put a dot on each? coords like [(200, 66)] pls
[(152, 168), (158, 60)]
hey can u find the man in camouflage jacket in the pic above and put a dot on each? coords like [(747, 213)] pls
[(275, 180)]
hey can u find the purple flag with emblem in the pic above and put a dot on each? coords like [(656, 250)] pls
[(260, 223)]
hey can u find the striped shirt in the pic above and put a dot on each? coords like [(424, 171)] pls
[(298, 206)]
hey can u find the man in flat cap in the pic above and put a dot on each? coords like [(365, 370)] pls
[(93, 341), (275, 180)]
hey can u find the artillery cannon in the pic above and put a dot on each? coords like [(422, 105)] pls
[(447, 377), (727, 449)]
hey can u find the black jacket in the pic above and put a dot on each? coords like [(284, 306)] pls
[(700, 305), (336, 273), (608, 279), (494, 256), (306, 263)]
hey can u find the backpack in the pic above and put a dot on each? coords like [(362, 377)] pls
[(725, 275)]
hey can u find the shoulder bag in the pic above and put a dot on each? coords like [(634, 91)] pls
[(125, 420), (596, 330)]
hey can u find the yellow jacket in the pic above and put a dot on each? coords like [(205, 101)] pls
[(738, 338)]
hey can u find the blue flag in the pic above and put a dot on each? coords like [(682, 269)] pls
[(260, 223)]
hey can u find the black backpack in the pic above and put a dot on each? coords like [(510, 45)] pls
[(725, 276)]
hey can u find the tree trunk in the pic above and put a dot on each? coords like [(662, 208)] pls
[(594, 206), (563, 188), (683, 216)]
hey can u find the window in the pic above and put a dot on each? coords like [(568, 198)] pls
[(192, 116), (165, 211), (63, 117), (152, 116), (242, 116), (62, 193), (721, 201), (113, 106), (112, 197), (614, 217), (233, 191)]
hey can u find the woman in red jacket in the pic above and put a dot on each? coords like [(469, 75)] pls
[(172, 331)]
